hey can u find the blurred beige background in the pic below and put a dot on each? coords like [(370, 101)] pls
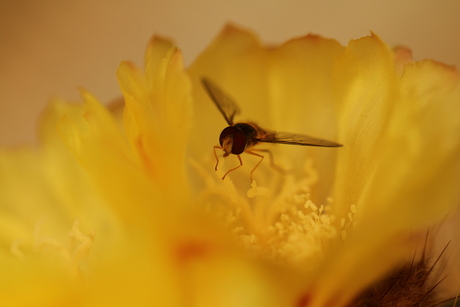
[(49, 48)]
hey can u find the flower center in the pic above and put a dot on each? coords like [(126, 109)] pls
[(280, 221)]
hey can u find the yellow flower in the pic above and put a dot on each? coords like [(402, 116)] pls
[(132, 212)]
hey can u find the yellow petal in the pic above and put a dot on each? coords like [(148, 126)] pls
[(97, 142), (284, 88), (366, 91), (167, 253), (390, 166), (183, 261), (155, 55), (402, 57), (264, 80), (423, 148), (157, 113), (236, 62), (51, 205)]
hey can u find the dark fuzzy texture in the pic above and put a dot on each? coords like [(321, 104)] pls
[(410, 285)]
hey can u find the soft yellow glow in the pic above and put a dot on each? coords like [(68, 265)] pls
[(151, 222)]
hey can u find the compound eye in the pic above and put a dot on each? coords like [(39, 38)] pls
[(239, 139), (229, 131), (239, 142)]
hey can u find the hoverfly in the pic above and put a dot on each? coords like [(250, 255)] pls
[(243, 136)]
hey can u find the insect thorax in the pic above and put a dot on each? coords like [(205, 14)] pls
[(248, 129)]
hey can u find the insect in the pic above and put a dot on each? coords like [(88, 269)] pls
[(243, 136)]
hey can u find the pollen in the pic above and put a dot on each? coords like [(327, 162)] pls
[(301, 234), (278, 221), (256, 191)]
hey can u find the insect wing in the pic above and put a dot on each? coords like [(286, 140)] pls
[(224, 103), (296, 139)]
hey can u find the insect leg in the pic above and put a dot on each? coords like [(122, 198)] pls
[(215, 155), (272, 162), (261, 159), (231, 170)]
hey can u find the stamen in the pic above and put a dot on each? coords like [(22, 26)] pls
[(48, 245), (346, 225), (289, 228), (68, 256), (86, 241), (256, 191)]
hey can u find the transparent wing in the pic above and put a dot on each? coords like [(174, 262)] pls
[(224, 103), (296, 139)]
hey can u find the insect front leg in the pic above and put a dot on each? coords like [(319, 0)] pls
[(215, 155), (231, 170), (217, 162)]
